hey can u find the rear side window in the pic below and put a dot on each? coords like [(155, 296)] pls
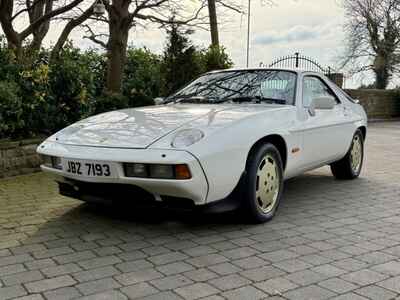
[(314, 87)]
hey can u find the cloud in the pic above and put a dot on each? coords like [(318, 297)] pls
[(298, 33)]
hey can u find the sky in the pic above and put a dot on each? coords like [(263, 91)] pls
[(312, 27)]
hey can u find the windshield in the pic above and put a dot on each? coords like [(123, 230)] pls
[(256, 86)]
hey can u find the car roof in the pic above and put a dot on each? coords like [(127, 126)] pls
[(295, 70)]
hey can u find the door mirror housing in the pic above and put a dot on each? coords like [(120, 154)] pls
[(159, 100), (323, 102)]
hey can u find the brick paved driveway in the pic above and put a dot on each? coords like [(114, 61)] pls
[(330, 240)]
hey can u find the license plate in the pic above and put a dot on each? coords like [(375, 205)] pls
[(87, 168)]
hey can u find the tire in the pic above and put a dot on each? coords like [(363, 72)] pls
[(264, 166), (349, 167)]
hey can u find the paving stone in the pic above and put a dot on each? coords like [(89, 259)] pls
[(364, 277), (375, 293), (315, 259), (309, 292), (305, 277), (138, 276), (50, 284), (65, 293), (200, 275), (15, 259), (99, 262), (292, 265), (229, 282), (94, 274), (350, 264), (375, 257), (139, 290), (74, 257), (225, 268), (338, 285), (349, 296), (263, 273), (238, 253), (167, 258), (175, 268), (30, 297), (97, 286), (61, 270), (250, 262), (279, 255), (171, 282), (11, 269), (246, 292), (40, 264), (12, 292), (197, 290), (108, 295), (328, 270), (276, 286), (52, 252), (392, 284), (22, 277), (207, 260), (132, 255), (389, 268), (164, 296)]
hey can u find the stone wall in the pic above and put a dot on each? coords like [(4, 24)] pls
[(379, 104), (19, 157)]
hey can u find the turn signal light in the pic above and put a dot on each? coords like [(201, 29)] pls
[(182, 172)]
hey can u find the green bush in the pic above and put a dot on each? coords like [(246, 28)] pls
[(39, 96), (75, 81), (11, 110), (143, 81), (108, 102), (215, 58)]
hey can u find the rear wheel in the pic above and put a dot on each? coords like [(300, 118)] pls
[(264, 183), (349, 167)]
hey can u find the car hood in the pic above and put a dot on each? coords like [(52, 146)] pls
[(141, 127)]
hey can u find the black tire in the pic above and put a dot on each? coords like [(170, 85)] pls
[(251, 203), (343, 169)]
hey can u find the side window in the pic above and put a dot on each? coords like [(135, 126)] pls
[(314, 87)]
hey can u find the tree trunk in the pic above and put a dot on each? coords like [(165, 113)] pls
[(119, 26), (213, 23), (381, 70), (39, 10), (13, 39)]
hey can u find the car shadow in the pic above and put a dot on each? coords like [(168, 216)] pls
[(304, 196), (298, 193)]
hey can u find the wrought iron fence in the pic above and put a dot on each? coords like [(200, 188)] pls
[(300, 62)]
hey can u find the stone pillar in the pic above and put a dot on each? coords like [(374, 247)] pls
[(337, 78)]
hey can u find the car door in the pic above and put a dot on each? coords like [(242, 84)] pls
[(324, 132)]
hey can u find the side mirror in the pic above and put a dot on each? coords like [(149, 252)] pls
[(159, 100), (323, 102)]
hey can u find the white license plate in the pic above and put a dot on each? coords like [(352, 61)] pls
[(88, 168)]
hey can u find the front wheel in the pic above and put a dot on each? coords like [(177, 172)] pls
[(264, 183), (349, 167)]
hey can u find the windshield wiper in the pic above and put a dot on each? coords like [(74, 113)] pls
[(190, 99), (253, 99)]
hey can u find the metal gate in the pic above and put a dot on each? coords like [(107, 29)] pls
[(300, 62)]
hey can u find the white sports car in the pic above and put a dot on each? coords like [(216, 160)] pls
[(229, 139)]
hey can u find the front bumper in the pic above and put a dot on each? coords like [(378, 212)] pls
[(195, 189)]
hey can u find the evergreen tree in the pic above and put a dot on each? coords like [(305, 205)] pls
[(181, 60)]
